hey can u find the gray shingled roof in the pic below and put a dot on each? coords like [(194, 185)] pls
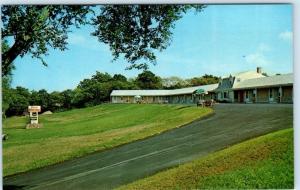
[(277, 80), (224, 85), (188, 90)]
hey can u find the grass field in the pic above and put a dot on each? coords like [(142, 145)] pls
[(78, 132), (265, 162)]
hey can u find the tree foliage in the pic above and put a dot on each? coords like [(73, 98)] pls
[(18, 101), (174, 82), (204, 80), (148, 80)]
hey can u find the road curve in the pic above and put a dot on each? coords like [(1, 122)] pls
[(231, 124)]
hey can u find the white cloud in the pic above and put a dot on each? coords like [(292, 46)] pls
[(259, 58), (76, 39), (263, 47), (286, 36)]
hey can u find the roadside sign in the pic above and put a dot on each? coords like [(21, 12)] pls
[(34, 114), (34, 108)]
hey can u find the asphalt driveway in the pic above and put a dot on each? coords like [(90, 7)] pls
[(231, 124)]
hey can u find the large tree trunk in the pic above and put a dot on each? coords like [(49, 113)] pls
[(9, 56)]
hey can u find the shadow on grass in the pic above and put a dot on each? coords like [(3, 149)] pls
[(183, 107), (13, 187)]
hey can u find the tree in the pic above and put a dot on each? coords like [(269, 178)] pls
[(6, 81), (35, 28), (97, 89), (79, 98), (204, 80), (93, 91), (174, 82), (19, 101), (119, 77), (67, 98), (133, 30), (148, 80), (56, 101), (101, 77), (42, 98), (6, 95)]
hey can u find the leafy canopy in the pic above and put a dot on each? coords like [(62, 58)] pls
[(148, 80)]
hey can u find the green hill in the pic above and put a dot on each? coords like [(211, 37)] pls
[(78, 132), (265, 162)]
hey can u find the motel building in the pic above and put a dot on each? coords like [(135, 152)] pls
[(176, 96), (244, 87)]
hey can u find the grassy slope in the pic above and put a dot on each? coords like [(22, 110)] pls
[(77, 132), (263, 162)]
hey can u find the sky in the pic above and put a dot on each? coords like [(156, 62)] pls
[(220, 40)]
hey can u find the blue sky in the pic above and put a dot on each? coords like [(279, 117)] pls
[(222, 39)]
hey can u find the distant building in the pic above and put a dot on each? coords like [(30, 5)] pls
[(244, 87), (176, 96)]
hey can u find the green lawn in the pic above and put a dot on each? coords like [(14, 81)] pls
[(78, 132), (265, 162)]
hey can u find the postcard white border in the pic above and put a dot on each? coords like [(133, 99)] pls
[(296, 38)]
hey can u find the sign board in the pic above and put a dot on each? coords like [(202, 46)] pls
[(34, 108)]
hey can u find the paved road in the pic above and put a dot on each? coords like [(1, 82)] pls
[(231, 124)]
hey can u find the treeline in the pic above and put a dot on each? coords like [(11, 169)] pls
[(89, 92)]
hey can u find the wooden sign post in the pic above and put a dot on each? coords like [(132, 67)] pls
[(34, 116)]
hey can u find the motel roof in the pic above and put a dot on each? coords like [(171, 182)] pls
[(230, 82), (188, 90), (276, 80), (244, 75)]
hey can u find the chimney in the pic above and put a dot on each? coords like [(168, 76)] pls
[(258, 70)]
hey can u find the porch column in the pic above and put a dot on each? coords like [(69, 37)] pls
[(280, 94), (255, 95)]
